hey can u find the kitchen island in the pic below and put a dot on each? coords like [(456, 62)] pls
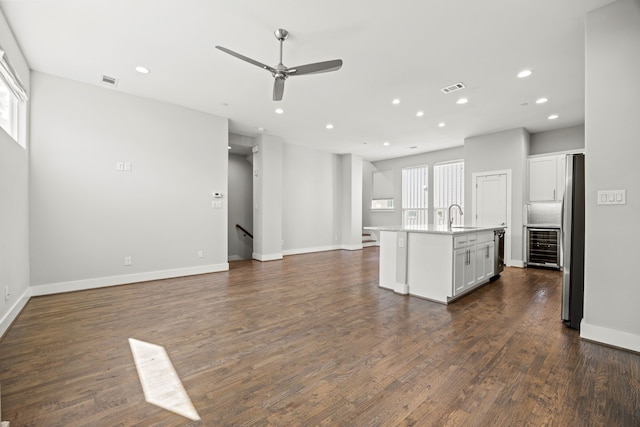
[(434, 262)]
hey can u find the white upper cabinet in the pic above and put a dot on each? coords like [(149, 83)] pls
[(546, 178)]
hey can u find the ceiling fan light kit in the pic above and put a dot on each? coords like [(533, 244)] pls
[(280, 72)]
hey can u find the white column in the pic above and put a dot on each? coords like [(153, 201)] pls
[(267, 199), (351, 210)]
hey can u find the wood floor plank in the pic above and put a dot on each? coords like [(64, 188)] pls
[(312, 340)]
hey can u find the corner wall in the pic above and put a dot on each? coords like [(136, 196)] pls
[(86, 216), (612, 289), (14, 202)]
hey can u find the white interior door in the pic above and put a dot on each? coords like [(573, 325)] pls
[(491, 200), (492, 204)]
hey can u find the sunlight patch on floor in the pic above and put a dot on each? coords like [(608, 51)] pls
[(160, 382)]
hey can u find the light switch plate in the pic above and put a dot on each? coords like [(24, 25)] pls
[(612, 197)]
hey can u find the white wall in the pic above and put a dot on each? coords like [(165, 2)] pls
[(14, 202), (612, 288), (553, 141), (507, 150), (376, 218), (310, 199), (240, 199), (86, 216)]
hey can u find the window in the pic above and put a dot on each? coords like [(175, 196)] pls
[(448, 188), (415, 195), (12, 98), (382, 190)]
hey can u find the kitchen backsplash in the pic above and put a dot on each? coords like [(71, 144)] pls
[(544, 213)]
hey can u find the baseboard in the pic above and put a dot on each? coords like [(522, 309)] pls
[(612, 337), (236, 258), (516, 263), (14, 311), (101, 282), (266, 257), (299, 251), (351, 247), (370, 244)]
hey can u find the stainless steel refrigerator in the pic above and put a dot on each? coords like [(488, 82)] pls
[(572, 241)]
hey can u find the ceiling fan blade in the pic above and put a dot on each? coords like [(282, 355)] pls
[(244, 58), (278, 89), (315, 68)]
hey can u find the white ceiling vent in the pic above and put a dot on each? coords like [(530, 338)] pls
[(112, 81), (454, 87)]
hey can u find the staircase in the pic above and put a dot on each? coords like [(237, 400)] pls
[(369, 238)]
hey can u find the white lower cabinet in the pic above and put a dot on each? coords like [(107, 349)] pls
[(473, 261), (485, 261), (464, 265)]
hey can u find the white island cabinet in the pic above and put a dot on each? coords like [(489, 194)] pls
[(435, 262)]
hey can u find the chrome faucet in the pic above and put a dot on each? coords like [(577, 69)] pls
[(450, 217)]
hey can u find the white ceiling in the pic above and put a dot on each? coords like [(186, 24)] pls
[(406, 49)]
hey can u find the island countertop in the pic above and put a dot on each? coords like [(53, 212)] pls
[(434, 229)]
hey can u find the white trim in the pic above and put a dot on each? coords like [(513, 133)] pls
[(235, 258), (356, 247), (14, 311), (310, 250), (507, 230), (266, 257), (516, 263), (608, 336), (101, 282)]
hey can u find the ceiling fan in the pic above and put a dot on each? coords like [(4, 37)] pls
[(280, 72)]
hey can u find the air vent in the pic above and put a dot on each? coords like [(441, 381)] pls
[(454, 87), (112, 81)]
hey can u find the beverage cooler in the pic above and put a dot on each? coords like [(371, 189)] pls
[(543, 247)]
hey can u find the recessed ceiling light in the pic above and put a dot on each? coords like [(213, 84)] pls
[(395, 101), (462, 101), (329, 126), (420, 114), (441, 124), (261, 129), (386, 143), (524, 73), (279, 111), (142, 70), (541, 100), (553, 117)]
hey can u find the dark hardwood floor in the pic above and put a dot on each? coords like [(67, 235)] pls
[(311, 340)]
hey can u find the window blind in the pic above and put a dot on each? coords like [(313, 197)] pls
[(448, 188), (10, 77), (382, 186)]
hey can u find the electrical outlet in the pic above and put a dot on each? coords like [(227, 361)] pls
[(7, 294), (200, 254), (127, 260), (119, 166)]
